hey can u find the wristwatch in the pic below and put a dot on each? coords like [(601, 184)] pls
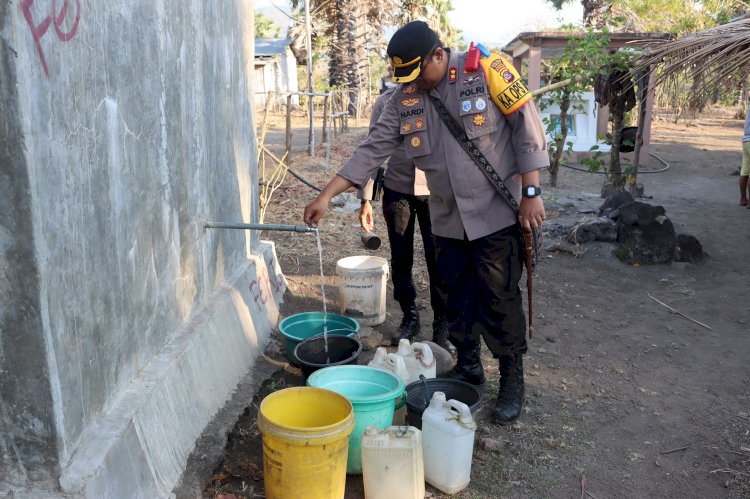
[(531, 191)]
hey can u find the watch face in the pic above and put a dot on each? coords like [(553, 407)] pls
[(530, 191)]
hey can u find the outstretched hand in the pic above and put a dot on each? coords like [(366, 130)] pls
[(315, 211)]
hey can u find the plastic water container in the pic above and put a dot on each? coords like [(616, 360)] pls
[(362, 287), (393, 363), (418, 359), (305, 442), (372, 393), (392, 465), (448, 443)]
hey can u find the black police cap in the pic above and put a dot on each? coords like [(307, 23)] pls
[(408, 48)]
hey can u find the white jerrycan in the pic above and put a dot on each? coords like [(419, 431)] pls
[(394, 364), (448, 443), (418, 359), (392, 466)]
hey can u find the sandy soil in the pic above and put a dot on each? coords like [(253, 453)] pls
[(625, 397)]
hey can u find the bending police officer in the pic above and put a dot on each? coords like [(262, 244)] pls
[(477, 234)]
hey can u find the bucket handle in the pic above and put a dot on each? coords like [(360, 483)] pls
[(426, 392)]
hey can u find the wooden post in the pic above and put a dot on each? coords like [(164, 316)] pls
[(325, 116), (289, 129), (308, 45), (642, 109)]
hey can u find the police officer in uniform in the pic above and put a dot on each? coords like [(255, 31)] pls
[(405, 196), (478, 239)]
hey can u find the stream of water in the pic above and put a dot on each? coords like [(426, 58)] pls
[(323, 291)]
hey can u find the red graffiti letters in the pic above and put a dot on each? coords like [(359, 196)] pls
[(256, 288), (57, 19), (260, 288)]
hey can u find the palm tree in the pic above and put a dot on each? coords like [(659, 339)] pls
[(352, 29), (595, 12)]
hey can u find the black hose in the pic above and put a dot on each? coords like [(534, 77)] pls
[(666, 167)]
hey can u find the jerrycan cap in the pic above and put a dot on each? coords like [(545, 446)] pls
[(380, 353), (404, 347), (438, 399), (371, 431)]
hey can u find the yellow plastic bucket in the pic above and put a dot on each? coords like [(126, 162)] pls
[(305, 442)]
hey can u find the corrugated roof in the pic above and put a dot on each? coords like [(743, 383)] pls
[(271, 46)]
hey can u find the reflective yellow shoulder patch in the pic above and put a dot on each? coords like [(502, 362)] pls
[(507, 90)]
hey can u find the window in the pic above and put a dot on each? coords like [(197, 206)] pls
[(555, 120)]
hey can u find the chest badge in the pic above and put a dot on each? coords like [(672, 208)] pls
[(481, 104), (452, 74), (415, 142), (406, 127), (410, 102), (410, 89), (466, 106), (479, 119), (419, 123)]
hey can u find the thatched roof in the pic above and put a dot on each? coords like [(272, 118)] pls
[(715, 57)]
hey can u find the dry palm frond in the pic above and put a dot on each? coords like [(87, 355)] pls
[(714, 57)]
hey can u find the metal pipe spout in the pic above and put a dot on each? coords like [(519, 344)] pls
[(246, 226)]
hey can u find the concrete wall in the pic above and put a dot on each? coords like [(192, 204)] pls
[(123, 127)]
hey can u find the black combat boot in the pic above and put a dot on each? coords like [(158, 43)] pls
[(468, 367), (440, 334), (409, 327), (511, 396)]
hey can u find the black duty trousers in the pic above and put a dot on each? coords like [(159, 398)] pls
[(401, 212), (480, 286)]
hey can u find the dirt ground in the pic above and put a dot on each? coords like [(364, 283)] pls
[(626, 397)]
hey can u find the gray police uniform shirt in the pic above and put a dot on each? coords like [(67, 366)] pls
[(401, 175), (462, 200)]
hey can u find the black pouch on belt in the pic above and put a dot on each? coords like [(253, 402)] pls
[(377, 189)]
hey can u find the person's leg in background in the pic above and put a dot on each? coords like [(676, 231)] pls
[(458, 291), (500, 319), (440, 333), (400, 218), (744, 175)]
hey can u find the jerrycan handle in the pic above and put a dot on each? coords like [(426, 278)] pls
[(395, 363), (464, 414), (423, 353)]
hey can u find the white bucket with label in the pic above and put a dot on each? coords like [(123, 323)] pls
[(362, 287)]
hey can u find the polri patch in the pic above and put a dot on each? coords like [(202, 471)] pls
[(466, 106), (480, 104), (410, 89)]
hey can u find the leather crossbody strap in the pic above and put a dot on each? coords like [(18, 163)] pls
[(474, 153), (532, 241)]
